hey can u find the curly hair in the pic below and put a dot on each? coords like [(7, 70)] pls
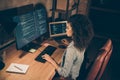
[(82, 30)]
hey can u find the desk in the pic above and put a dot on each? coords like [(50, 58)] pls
[(37, 70)]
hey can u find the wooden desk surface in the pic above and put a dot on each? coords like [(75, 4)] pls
[(37, 70)]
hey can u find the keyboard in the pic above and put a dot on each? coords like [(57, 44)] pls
[(48, 50)]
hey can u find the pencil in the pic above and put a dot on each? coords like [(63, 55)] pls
[(18, 68)]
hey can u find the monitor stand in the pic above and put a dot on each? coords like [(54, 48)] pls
[(31, 47)]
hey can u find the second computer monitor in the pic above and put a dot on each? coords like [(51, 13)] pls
[(57, 28)]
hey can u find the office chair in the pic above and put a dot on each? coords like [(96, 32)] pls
[(101, 61), (108, 48)]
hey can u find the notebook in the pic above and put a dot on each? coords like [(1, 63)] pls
[(17, 68)]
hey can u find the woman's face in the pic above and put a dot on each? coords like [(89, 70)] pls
[(69, 31)]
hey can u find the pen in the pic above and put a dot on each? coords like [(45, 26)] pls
[(18, 68)]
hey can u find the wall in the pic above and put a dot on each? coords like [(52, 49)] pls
[(105, 16), (6, 4), (83, 7)]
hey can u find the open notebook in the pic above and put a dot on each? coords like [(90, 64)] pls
[(17, 68)]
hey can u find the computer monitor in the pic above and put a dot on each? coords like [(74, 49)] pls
[(32, 24), (57, 29)]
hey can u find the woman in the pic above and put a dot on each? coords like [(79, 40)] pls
[(80, 30)]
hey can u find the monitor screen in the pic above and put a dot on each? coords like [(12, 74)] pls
[(40, 18), (57, 28), (31, 25)]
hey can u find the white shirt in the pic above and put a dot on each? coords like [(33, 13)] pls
[(71, 62)]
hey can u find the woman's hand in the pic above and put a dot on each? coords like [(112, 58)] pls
[(65, 42), (49, 59)]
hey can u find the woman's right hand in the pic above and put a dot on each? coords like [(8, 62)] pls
[(47, 58)]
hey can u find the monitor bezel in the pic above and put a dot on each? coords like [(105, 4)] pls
[(57, 35)]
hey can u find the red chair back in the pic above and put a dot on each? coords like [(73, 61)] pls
[(100, 62)]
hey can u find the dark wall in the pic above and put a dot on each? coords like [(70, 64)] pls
[(105, 16), (106, 4)]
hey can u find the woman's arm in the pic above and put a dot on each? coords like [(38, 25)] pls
[(65, 69)]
